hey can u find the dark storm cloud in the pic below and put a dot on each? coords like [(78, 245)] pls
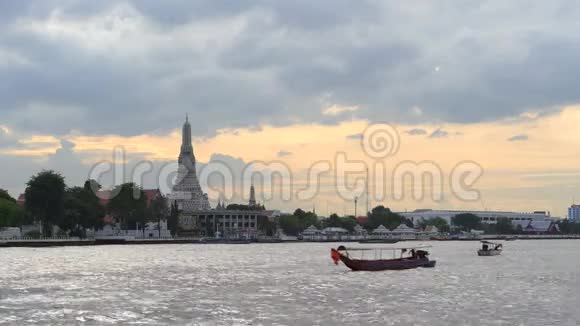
[(279, 62)]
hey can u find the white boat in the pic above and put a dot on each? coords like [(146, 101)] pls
[(490, 249)]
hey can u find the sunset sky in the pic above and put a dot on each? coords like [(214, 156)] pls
[(492, 82)]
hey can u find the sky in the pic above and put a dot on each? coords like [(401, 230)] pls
[(494, 83)]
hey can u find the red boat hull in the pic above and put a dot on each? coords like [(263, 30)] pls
[(383, 265)]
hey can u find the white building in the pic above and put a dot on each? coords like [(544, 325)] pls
[(231, 224), (574, 212), (488, 217), (10, 233)]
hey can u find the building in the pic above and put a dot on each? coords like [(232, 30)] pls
[(228, 223), (187, 192), (574, 212), (537, 227), (197, 218), (431, 230), (231, 224), (488, 217)]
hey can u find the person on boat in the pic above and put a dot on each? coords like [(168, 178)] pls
[(413, 254), (421, 254)]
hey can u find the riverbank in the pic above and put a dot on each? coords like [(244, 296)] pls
[(136, 241), (111, 241)]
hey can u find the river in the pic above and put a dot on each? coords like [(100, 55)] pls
[(533, 282)]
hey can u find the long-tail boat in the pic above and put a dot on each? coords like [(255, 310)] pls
[(411, 257), (489, 248)]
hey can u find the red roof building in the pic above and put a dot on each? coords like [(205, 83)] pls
[(362, 220)]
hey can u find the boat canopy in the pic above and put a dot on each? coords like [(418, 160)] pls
[(383, 248)]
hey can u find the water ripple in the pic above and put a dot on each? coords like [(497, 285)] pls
[(532, 283)]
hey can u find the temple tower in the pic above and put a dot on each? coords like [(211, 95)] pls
[(187, 192), (252, 202)]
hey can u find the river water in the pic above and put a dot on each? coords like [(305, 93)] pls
[(532, 283)]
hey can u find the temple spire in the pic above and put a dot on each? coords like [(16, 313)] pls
[(252, 202), (186, 146)]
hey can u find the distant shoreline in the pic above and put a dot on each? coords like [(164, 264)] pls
[(104, 242)]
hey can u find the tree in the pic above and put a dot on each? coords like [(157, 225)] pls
[(332, 221), (290, 225), (348, 222), (568, 227), (157, 211), (45, 199), (92, 185), (504, 226), (129, 205), (298, 222), (83, 210), (5, 195), (466, 221), (438, 222), (10, 213), (173, 219), (240, 207), (266, 226), (382, 215)]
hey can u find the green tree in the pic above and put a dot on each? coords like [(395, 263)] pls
[(173, 220), (5, 195), (347, 222), (157, 211), (266, 226), (382, 215), (332, 221), (44, 197), (128, 205), (466, 221), (290, 225), (504, 226), (298, 222), (10, 213), (568, 227), (240, 207), (83, 210)]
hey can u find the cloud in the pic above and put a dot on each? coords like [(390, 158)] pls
[(439, 133), (336, 110), (284, 153), (358, 136), (416, 132), (416, 111), (272, 62), (518, 138)]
